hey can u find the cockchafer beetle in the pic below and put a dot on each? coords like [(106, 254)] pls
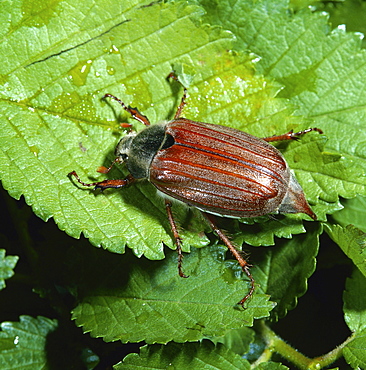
[(217, 169)]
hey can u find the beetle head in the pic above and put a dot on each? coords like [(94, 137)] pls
[(123, 147)]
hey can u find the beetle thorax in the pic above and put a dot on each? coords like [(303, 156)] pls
[(137, 150)]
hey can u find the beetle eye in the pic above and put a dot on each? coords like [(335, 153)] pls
[(168, 141)]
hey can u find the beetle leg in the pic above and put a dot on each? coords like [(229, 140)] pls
[(105, 184), (178, 241), (135, 114), (184, 97), (291, 135), (245, 266)]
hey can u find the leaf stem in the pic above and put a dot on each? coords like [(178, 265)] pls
[(276, 344)]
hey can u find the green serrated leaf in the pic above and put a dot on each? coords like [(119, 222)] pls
[(350, 13), (237, 340), (355, 351), (322, 74), (54, 121), (263, 233), (354, 212), (352, 241), (184, 356), (140, 300), (29, 340), (355, 302), (285, 269), (7, 265)]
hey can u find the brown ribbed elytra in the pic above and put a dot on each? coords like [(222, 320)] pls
[(220, 170), (217, 169)]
